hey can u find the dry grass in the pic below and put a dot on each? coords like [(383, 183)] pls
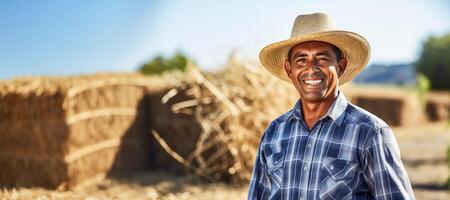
[(232, 108)]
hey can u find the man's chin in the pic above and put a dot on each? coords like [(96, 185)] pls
[(312, 98)]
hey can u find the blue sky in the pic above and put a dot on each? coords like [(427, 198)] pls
[(72, 37)]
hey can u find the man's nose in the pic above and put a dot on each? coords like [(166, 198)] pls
[(313, 68)]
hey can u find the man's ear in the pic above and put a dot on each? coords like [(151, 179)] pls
[(287, 68), (342, 64)]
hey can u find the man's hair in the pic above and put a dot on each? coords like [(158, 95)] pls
[(336, 50)]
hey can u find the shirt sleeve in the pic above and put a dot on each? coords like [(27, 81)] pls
[(383, 170), (259, 183)]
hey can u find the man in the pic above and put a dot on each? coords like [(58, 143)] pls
[(325, 147)]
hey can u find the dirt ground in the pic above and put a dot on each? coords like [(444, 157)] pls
[(423, 149)]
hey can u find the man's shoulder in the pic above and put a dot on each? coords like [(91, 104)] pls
[(359, 116), (280, 120)]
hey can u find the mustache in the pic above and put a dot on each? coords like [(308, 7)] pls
[(314, 75)]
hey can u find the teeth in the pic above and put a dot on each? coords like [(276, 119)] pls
[(313, 82)]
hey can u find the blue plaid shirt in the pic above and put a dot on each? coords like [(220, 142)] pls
[(348, 154)]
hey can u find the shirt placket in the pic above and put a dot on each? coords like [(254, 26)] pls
[(309, 158)]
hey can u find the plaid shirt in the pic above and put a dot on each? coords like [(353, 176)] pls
[(348, 154)]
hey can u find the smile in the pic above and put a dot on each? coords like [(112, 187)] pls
[(313, 82)]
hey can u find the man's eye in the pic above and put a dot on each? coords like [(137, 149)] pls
[(323, 59), (300, 60)]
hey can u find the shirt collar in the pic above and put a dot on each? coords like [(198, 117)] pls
[(335, 112)]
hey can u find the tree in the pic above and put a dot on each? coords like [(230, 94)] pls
[(160, 64), (434, 61)]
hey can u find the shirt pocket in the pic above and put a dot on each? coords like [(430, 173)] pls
[(337, 178), (275, 162)]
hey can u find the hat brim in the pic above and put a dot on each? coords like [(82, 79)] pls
[(354, 48)]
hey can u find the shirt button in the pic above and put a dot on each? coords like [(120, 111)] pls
[(309, 145), (332, 167), (305, 168)]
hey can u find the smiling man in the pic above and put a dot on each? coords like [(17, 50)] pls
[(325, 147)]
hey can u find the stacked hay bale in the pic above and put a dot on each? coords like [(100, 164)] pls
[(438, 106), (396, 106), (57, 132), (32, 127)]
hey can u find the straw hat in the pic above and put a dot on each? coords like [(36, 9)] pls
[(318, 27)]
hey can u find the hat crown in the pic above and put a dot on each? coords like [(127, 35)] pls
[(312, 23)]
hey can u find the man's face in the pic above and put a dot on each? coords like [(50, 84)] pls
[(314, 69)]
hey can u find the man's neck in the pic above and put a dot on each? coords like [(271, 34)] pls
[(314, 111)]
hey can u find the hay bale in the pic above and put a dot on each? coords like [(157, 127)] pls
[(438, 106), (389, 109), (30, 127), (58, 132), (396, 106)]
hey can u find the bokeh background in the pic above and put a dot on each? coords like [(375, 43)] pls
[(156, 99)]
